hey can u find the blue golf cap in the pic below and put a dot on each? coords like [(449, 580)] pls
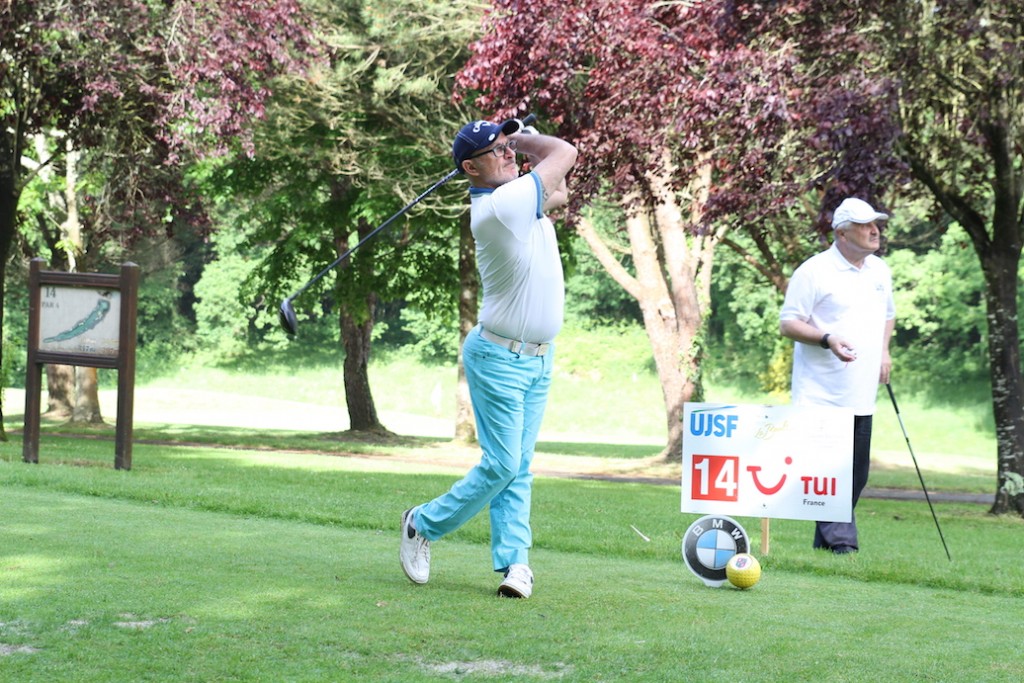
[(475, 136)]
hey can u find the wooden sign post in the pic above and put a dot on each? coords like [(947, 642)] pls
[(86, 320)]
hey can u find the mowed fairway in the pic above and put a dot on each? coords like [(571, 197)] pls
[(209, 564)]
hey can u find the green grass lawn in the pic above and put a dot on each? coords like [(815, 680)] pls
[(214, 564), (241, 547)]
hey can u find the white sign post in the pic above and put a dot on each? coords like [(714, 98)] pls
[(786, 462)]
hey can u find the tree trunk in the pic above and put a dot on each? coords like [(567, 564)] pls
[(60, 390), (469, 280), (688, 259), (671, 286), (356, 328), (1007, 384), (672, 312), (73, 392), (87, 397), (9, 195), (664, 335), (355, 338)]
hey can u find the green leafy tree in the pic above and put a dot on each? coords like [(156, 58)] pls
[(960, 69), (939, 299), (952, 72), (344, 149)]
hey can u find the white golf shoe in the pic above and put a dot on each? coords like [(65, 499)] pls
[(414, 551), (518, 582)]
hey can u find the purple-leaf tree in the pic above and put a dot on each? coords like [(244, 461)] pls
[(699, 121), (131, 88)]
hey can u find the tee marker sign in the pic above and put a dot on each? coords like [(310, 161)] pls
[(788, 462)]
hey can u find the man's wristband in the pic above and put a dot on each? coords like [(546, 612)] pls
[(824, 341)]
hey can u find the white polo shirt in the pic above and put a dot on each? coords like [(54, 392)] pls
[(830, 293), (517, 256)]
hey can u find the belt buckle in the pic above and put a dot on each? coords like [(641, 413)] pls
[(533, 348)]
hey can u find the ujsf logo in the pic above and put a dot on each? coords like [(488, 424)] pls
[(704, 423)]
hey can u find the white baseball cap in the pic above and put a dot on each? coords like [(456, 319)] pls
[(856, 211)]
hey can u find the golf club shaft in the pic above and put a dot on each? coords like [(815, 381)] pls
[(334, 264), (919, 476), (286, 312), (530, 118)]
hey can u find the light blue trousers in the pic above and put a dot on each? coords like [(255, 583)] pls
[(508, 393)]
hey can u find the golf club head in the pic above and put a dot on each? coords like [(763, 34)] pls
[(286, 315)]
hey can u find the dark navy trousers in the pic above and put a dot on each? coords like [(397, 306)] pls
[(835, 535)]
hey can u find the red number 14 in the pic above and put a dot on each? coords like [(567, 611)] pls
[(713, 477)]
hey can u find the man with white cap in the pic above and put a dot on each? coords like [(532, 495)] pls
[(839, 310)]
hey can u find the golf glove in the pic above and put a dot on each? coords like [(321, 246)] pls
[(513, 126)]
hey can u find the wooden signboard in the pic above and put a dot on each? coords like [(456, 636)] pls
[(86, 320)]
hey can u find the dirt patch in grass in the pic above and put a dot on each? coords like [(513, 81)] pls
[(493, 668), (133, 622)]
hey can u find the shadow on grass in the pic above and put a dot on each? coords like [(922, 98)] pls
[(351, 441), (963, 479)]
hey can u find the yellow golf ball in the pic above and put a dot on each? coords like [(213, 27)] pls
[(743, 570)]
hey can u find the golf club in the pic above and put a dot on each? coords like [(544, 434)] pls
[(912, 457), (286, 313)]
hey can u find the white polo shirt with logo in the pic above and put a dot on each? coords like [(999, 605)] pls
[(833, 295), (517, 256)]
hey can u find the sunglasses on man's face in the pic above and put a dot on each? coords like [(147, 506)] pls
[(497, 150)]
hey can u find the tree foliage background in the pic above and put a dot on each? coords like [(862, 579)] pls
[(343, 149), (727, 128), (734, 112), (130, 88)]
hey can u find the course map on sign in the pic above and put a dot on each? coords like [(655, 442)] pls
[(79, 320)]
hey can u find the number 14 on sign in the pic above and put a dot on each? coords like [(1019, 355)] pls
[(715, 477)]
